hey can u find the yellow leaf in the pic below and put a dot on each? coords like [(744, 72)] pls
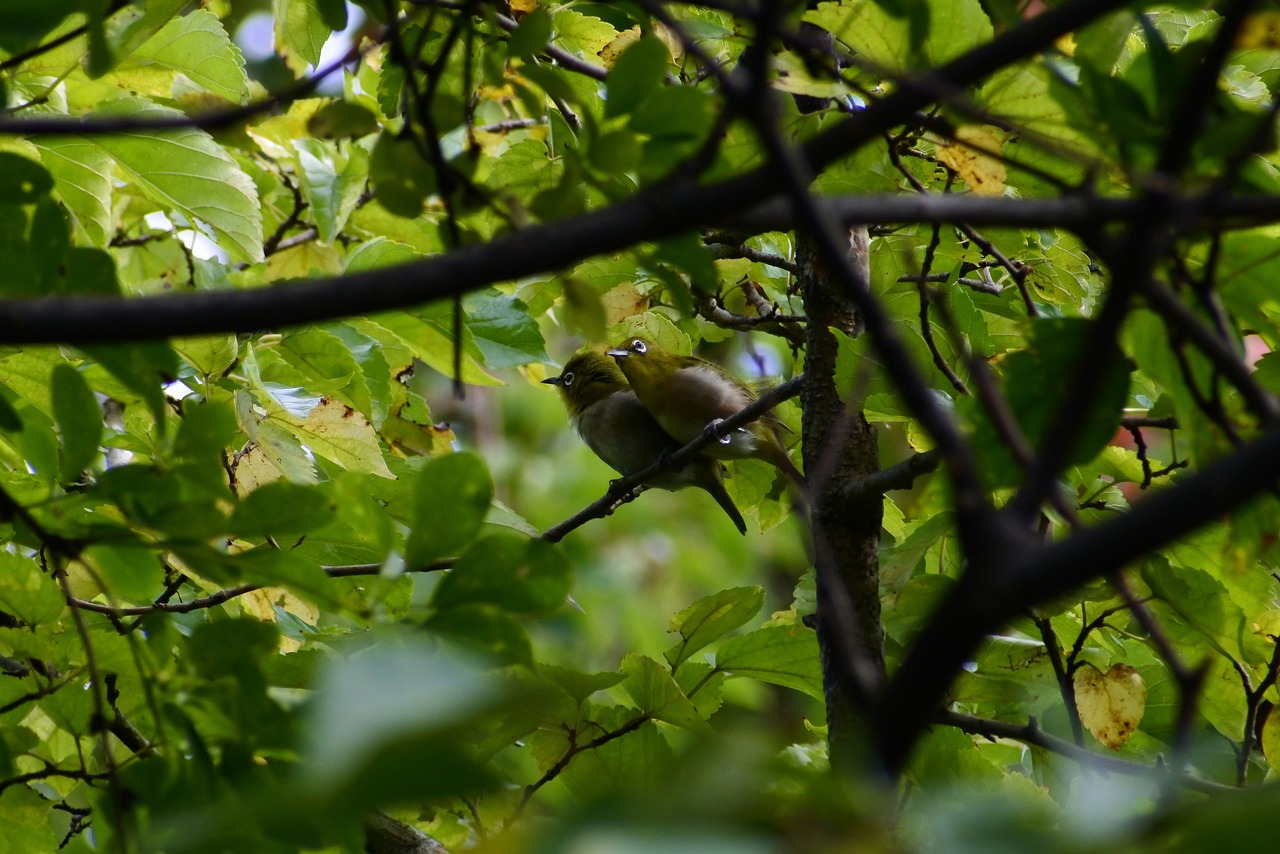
[(408, 439), (609, 53), (263, 603), (1271, 742), (520, 8), (1110, 704), (965, 154), (303, 261), (622, 302), (340, 434), (1259, 31)]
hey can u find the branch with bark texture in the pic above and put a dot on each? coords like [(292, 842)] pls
[(673, 208)]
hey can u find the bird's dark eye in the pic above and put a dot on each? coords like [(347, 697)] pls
[(639, 347), (567, 379)]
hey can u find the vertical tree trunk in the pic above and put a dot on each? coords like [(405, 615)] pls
[(840, 447)]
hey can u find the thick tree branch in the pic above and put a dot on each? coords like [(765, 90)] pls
[(897, 476), (541, 249), (1027, 576), (661, 212)]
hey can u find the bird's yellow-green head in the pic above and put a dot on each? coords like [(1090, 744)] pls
[(644, 363), (587, 378)]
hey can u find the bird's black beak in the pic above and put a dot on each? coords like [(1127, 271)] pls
[(553, 381)]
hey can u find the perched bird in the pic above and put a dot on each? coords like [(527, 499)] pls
[(621, 432), (685, 394)]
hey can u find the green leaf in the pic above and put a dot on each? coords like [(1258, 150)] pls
[(82, 178), (577, 684), (638, 760), (301, 29), (22, 180), (515, 573), (281, 509), (25, 825), (532, 35), (27, 593), (194, 45), (582, 35), (79, 420), (273, 567), (485, 629), (186, 171), (1056, 347), (402, 179), (9, 420), (320, 355), (332, 181), (504, 330), (657, 694), (450, 500), (210, 355), (703, 685), (638, 72), (131, 573), (141, 368), (709, 619), (955, 28), (430, 342), (870, 29), (131, 27), (898, 563), (782, 655)]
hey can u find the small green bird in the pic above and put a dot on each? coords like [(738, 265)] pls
[(685, 394), (621, 432)]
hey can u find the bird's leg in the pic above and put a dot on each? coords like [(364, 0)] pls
[(664, 459), (623, 498), (712, 429)]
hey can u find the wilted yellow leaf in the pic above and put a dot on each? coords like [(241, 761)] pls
[(338, 433), (965, 154), (622, 302), (1110, 704), (408, 439), (609, 53), (522, 7), (674, 46)]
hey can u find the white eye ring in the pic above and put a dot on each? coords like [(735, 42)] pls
[(639, 347), (567, 379)]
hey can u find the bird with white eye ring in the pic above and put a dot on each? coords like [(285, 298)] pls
[(618, 428), (685, 394)]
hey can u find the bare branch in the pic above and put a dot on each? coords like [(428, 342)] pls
[(211, 120), (1030, 733), (227, 594)]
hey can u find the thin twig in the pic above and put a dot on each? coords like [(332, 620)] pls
[(1031, 733), (227, 594)]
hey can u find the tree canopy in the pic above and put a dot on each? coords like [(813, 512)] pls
[(298, 553)]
